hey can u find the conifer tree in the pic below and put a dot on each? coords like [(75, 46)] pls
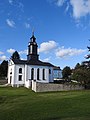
[(15, 56)]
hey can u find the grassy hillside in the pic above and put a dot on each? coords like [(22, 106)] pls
[(23, 104)]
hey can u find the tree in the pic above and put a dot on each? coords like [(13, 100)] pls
[(3, 69), (81, 72), (88, 56), (87, 63), (82, 75), (66, 72), (77, 66), (15, 55)]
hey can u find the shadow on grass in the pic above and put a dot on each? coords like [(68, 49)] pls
[(52, 118), (10, 99)]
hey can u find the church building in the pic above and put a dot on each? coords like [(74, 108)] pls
[(23, 72)]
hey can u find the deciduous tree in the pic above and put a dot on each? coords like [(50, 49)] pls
[(3, 69), (66, 72)]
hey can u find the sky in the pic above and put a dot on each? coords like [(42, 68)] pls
[(61, 28)]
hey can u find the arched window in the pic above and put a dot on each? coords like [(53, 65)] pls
[(38, 74), (20, 70), (32, 74), (11, 71), (43, 74), (49, 71)]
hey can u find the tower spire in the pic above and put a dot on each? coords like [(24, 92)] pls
[(33, 32), (33, 39)]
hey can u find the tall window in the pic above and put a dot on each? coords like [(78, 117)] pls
[(31, 49), (38, 74), (43, 74), (11, 71), (20, 70), (32, 74), (49, 71), (20, 78)]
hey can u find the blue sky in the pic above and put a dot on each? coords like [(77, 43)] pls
[(62, 29)]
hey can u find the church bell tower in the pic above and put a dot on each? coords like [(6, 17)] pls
[(32, 49)]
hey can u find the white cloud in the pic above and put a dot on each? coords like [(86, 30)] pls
[(1, 53), (23, 52), (10, 2), (2, 58), (10, 23), (23, 58), (27, 25), (80, 8), (16, 3), (67, 52), (67, 7), (60, 2), (46, 59), (47, 46), (11, 51)]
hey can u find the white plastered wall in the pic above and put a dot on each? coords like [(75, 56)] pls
[(26, 74), (16, 77), (11, 70), (48, 77), (14, 69)]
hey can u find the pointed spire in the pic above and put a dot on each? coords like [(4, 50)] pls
[(33, 32), (33, 37)]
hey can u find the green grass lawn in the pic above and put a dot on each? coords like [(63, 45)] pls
[(24, 104)]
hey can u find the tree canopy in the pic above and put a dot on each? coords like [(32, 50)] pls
[(81, 74), (3, 69), (66, 72), (15, 55)]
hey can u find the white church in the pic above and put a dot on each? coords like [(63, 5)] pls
[(23, 72)]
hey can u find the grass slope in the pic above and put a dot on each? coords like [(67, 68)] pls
[(24, 104)]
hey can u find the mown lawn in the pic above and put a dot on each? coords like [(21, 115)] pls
[(24, 104)]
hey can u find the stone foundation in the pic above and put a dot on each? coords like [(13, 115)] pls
[(44, 87)]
